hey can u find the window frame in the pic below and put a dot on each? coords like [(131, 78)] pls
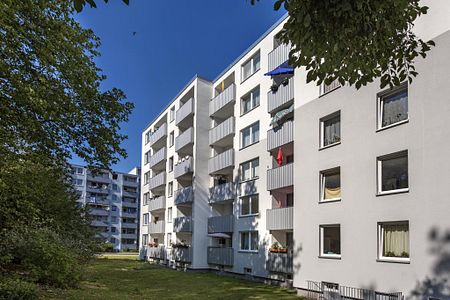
[(380, 241), (323, 174), (171, 138), (251, 94), (380, 160), (171, 164), (250, 200), (146, 177), (322, 130), (145, 219), (254, 176), (252, 65), (387, 93), (252, 142), (170, 189), (169, 215), (321, 242), (250, 236), (172, 114), (145, 199)]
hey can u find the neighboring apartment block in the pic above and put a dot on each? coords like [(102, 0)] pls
[(112, 199), (335, 190)]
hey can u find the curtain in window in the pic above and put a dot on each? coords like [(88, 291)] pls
[(244, 241), (255, 133), (332, 131), (254, 237), (332, 193), (395, 108), (396, 240)]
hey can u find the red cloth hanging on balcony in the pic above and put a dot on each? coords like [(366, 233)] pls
[(280, 157)]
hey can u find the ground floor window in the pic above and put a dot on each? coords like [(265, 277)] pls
[(393, 241), (330, 241)]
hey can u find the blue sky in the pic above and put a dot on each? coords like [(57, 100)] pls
[(174, 40)]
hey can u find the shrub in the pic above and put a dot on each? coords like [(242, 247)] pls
[(13, 289)]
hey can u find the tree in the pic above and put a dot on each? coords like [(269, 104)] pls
[(79, 4), (354, 42)]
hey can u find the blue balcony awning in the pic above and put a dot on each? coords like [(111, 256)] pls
[(282, 69)]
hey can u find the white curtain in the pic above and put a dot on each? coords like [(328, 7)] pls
[(332, 131), (396, 240), (395, 109)]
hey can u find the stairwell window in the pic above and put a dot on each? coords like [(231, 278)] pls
[(169, 215), (393, 241), (145, 199), (170, 189), (171, 138), (393, 173), (172, 114), (330, 241), (145, 219), (249, 241), (249, 205), (171, 164), (330, 185), (393, 107), (144, 239), (251, 66), (250, 101), (330, 130), (146, 177), (250, 135)]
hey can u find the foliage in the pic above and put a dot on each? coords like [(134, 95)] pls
[(16, 289), (354, 42), (79, 4)]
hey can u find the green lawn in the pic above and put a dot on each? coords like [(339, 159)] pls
[(129, 279)]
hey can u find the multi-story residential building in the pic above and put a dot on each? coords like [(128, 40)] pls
[(358, 210), (112, 199)]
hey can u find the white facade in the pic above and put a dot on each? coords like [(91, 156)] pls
[(332, 210)]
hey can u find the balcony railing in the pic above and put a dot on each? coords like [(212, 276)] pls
[(321, 290), (221, 161), (157, 180), (280, 218), (184, 139), (283, 96), (182, 254), (156, 227), (280, 263), (158, 134), (222, 192), (128, 236), (184, 111), (128, 193), (158, 157), (130, 204), (97, 190), (221, 131), (99, 178), (184, 167), (129, 225), (280, 136), (278, 56), (126, 214), (98, 212), (182, 224), (220, 224), (156, 252), (157, 203), (98, 223), (184, 195), (280, 177), (220, 256), (221, 100)]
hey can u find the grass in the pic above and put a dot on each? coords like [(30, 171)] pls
[(129, 279), (120, 255)]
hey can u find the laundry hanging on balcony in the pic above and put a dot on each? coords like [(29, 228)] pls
[(282, 69), (280, 157), (282, 115)]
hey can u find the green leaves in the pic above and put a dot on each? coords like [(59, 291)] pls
[(79, 4)]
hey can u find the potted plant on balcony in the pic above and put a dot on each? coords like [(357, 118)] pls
[(181, 244), (274, 88), (152, 245), (285, 81), (276, 248)]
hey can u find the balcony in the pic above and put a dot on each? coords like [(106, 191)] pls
[(220, 224), (280, 177), (222, 193), (156, 252), (221, 161), (280, 263), (158, 134), (129, 193), (129, 225), (222, 101), (182, 224), (102, 178), (184, 111), (280, 136), (126, 214), (131, 182), (223, 133), (130, 204), (184, 139), (156, 227), (97, 190), (278, 56), (282, 97), (184, 167), (220, 256), (157, 181), (184, 195), (280, 218), (182, 254), (157, 203), (129, 236), (98, 223), (99, 212), (157, 159)]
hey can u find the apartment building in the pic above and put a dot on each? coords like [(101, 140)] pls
[(332, 189), (112, 199)]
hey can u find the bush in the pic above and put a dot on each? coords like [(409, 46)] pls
[(13, 289)]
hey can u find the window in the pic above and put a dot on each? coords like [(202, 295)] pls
[(145, 219), (249, 169), (249, 241), (169, 239), (393, 173), (144, 239), (250, 135), (79, 170), (171, 164), (113, 219), (146, 157), (146, 198), (170, 189), (330, 185), (393, 241), (169, 215), (250, 101), (114, 197), (330, 130), (172, 114), (146, 177), (114, 208), (250, 66), (113, 229), (114, 187), (330, 241), (171, 138), (290, 200), (249, 205), (393, 107), (79, 182), (147, 137)]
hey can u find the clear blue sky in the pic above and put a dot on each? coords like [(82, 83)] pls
[(174, 40)]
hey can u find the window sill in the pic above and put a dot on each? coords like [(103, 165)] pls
[(330, 200), (392, 125), (247, 180), (249, 251), (249, 145), (393, 192), (394, 260), (248, 216), (329, 256), (329, 146)]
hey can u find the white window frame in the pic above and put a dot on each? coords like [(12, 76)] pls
[(321, 241), (323, 175), (146, 157), (251, 129), (322, 130), (250, 198), (251, 98), (146, 177), (145, 219), (169, 215), (145, 240), (252, 168), (171, 163), (169, 239), (381, 241), (147, 137), (170, 189), (381, 96), (250, 235), (171, 138), (251, 61), (172, 114), (380, 159), (145, 199)]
